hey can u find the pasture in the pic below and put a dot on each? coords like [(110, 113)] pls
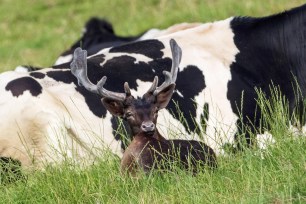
[(36, 32)]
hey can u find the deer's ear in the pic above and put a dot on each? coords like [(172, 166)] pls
[(113, 106), (163, 97)]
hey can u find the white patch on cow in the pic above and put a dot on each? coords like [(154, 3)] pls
[(63, 59), (178, 27), (303, 131), (264, 140), (95, 135), (172, 128), (221, 126), (152, 33), (155, 33), (297, 131), (213, 41), (21, 69), (138, 57), (142, 88)]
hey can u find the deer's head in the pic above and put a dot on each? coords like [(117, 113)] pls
[(140, 113)]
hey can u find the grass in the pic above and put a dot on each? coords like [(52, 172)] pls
[(244, 178), (35, 32)]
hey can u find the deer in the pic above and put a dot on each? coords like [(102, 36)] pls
[(148, 149)]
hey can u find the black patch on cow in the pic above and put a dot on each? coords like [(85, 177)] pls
[(37, 75), (64, 76), (62, 66), (92, 100), (271, 49), (125, 69), (10, 170), (190, 82), (204, 117), (149, 48), (20, 85)]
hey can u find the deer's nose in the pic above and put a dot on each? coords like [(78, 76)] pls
[(147, 126)]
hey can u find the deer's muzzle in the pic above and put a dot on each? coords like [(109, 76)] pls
[(147, 126)]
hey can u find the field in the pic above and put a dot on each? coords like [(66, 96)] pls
[(35, 32)]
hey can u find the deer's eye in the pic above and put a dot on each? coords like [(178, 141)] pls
[(129, 115)]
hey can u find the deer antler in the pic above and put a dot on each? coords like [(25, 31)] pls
[(170, 77), (79, 70)]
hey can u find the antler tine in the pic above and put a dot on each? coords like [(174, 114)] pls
[(153, 86), (127, 89), (170, 77), (109, 94), (79, 70), (176, 59)]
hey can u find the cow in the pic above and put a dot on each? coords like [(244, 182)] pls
[(47, 117)]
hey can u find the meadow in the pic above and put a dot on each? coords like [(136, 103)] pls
[(35, 32)]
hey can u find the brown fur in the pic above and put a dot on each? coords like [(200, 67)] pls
[(147, 153)]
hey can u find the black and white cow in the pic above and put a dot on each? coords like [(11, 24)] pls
[(46, 116)]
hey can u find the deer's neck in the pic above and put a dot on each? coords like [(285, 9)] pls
[(156, 135)]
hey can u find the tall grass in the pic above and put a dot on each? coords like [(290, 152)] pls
[(34, 32)]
